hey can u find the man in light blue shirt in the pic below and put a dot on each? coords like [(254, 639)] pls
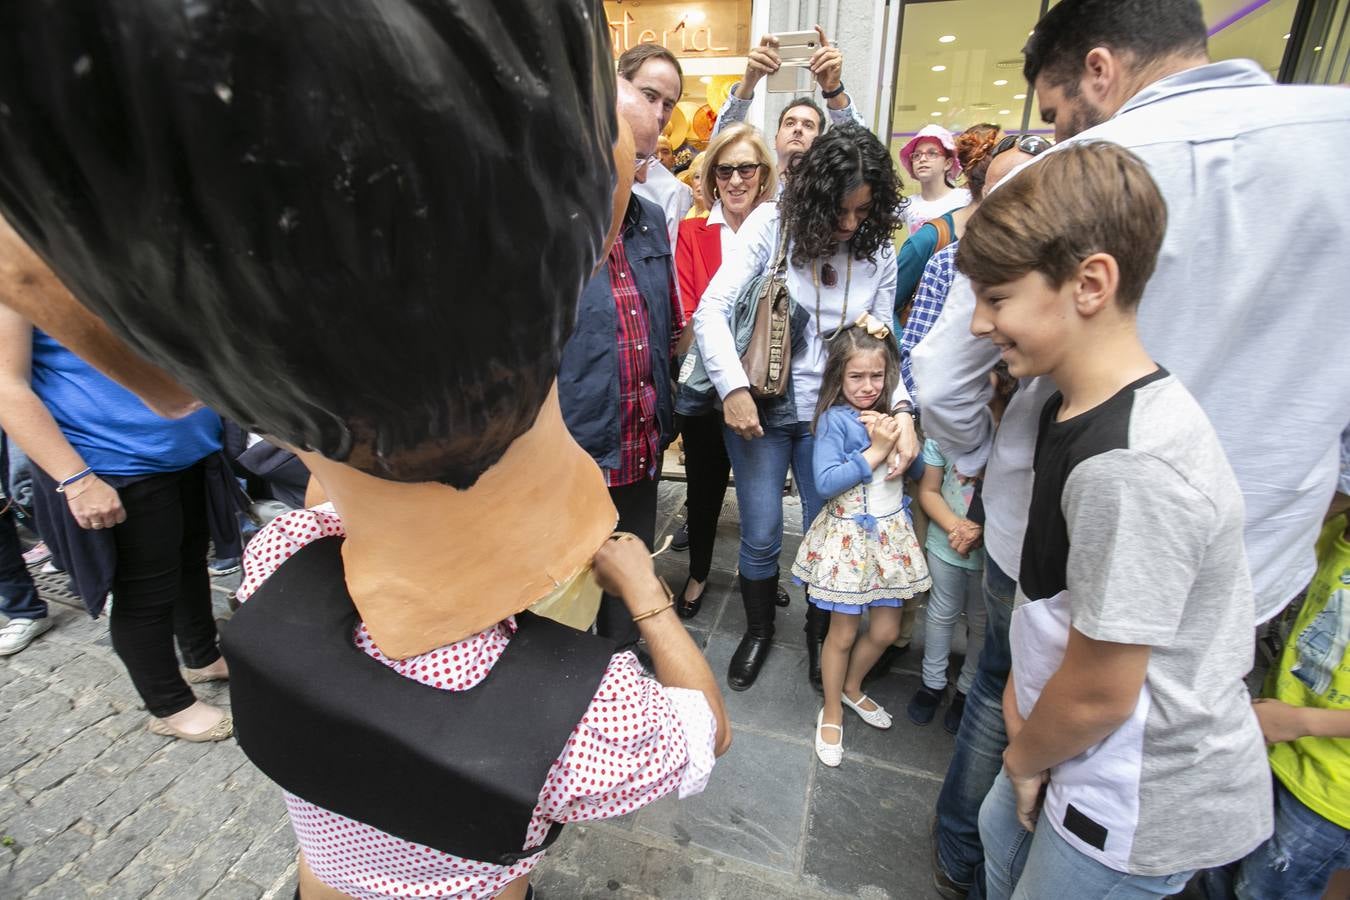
[(1247, 308), (801, 121)]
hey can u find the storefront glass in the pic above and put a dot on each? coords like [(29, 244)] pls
[(961, 60)]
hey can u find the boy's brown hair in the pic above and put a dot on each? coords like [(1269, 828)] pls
[(1085, 198)]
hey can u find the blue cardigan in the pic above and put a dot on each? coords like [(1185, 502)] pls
[(837, 459)]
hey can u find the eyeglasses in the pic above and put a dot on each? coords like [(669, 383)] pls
[(745, 170), (1030, 144), (926, 154)]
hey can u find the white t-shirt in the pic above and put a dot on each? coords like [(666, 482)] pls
[(921, 210)]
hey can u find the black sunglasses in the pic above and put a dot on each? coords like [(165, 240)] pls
[(745, 170), (1031, 144)]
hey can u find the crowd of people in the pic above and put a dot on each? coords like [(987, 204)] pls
[(1050, 392)]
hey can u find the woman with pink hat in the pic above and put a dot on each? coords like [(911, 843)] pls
[(930, 157)]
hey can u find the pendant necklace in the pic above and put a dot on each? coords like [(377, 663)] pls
[(828, 275)]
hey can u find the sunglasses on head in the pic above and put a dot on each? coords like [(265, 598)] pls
[(1031, 144), (745, 170)]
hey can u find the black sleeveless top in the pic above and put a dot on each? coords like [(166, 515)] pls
[(347, 733)]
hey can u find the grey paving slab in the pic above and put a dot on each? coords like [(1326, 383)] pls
[(781, 701), (867, 833), (904, 744), (754, 806)]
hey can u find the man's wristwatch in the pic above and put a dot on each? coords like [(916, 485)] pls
[(904, 406), (830, 95)]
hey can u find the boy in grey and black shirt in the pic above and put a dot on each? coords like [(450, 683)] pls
[(1132, 743)]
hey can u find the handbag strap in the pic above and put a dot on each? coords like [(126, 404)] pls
[(780, 260)]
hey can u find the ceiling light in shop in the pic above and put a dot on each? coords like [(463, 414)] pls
[(946, 39), (1001, 82), (1019, 96), (944, 68), (944, 99), (937, 114), (706, 79), (1005, 112)]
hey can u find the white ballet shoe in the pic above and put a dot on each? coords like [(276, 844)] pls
[(877, 718), (830, 754)]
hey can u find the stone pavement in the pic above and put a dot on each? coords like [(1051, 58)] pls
[(93, 805)]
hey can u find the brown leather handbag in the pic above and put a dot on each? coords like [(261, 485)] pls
[(767, 359)]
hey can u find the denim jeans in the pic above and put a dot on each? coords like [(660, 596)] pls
[(1026, 866), (1295, 863), (978, 756), (954, 589), (761, 466), (18, 594), (18, 477)]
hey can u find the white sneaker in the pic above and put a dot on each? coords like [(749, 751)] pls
[(19, 633)]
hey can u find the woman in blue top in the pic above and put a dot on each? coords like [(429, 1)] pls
[(128, 500)]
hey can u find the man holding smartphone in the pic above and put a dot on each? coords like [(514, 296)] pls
[(801, 121)]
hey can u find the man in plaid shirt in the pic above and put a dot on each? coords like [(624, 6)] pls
[(928, 300), (614, 384)]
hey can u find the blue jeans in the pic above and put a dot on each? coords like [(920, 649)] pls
[(1022, 865), (17, 476), (1295, 863), (954, 589), (978, 756), (761, 466), (18, 594)]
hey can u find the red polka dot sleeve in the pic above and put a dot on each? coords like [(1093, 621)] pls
[(637, 742)]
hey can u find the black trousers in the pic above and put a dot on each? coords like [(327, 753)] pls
[(161, 589), (707, 469), (636, 504)]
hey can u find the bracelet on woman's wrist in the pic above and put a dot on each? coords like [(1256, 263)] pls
[(61, 488)]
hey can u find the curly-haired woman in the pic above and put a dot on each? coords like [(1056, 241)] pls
[(838, 210)]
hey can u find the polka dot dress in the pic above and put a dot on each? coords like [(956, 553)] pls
[(637, 742)]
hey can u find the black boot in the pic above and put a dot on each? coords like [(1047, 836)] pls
[(817, 624), (758, 595)]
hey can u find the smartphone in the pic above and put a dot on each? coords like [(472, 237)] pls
[(795, 49)]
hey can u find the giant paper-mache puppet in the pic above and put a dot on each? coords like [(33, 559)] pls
[(360, 227)]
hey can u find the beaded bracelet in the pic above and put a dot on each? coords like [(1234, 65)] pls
[(61, 488)]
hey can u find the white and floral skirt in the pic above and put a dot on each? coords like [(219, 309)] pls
[(861, 550)]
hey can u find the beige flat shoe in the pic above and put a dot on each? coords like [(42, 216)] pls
[(217, 732), (197, 676)]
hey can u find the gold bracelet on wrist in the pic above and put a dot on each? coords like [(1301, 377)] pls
[(652, 612), (670, 601)]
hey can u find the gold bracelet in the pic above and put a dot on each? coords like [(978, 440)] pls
[(70, 496), (670, 601), (652, 612)]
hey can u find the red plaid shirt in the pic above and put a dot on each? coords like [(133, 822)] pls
[(639, 428)]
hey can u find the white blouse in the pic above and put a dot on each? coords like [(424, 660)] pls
[(870, 289)]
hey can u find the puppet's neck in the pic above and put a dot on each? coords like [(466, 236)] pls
[(428, 565)]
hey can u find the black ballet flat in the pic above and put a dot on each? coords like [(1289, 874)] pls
[(687, 609)]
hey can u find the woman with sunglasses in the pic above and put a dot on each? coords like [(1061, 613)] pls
[(839, 207), (738, 175)]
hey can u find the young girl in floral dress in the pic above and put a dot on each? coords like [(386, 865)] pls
[(861, 552)]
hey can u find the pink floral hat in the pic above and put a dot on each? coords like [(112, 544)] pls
[(931, 133)]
